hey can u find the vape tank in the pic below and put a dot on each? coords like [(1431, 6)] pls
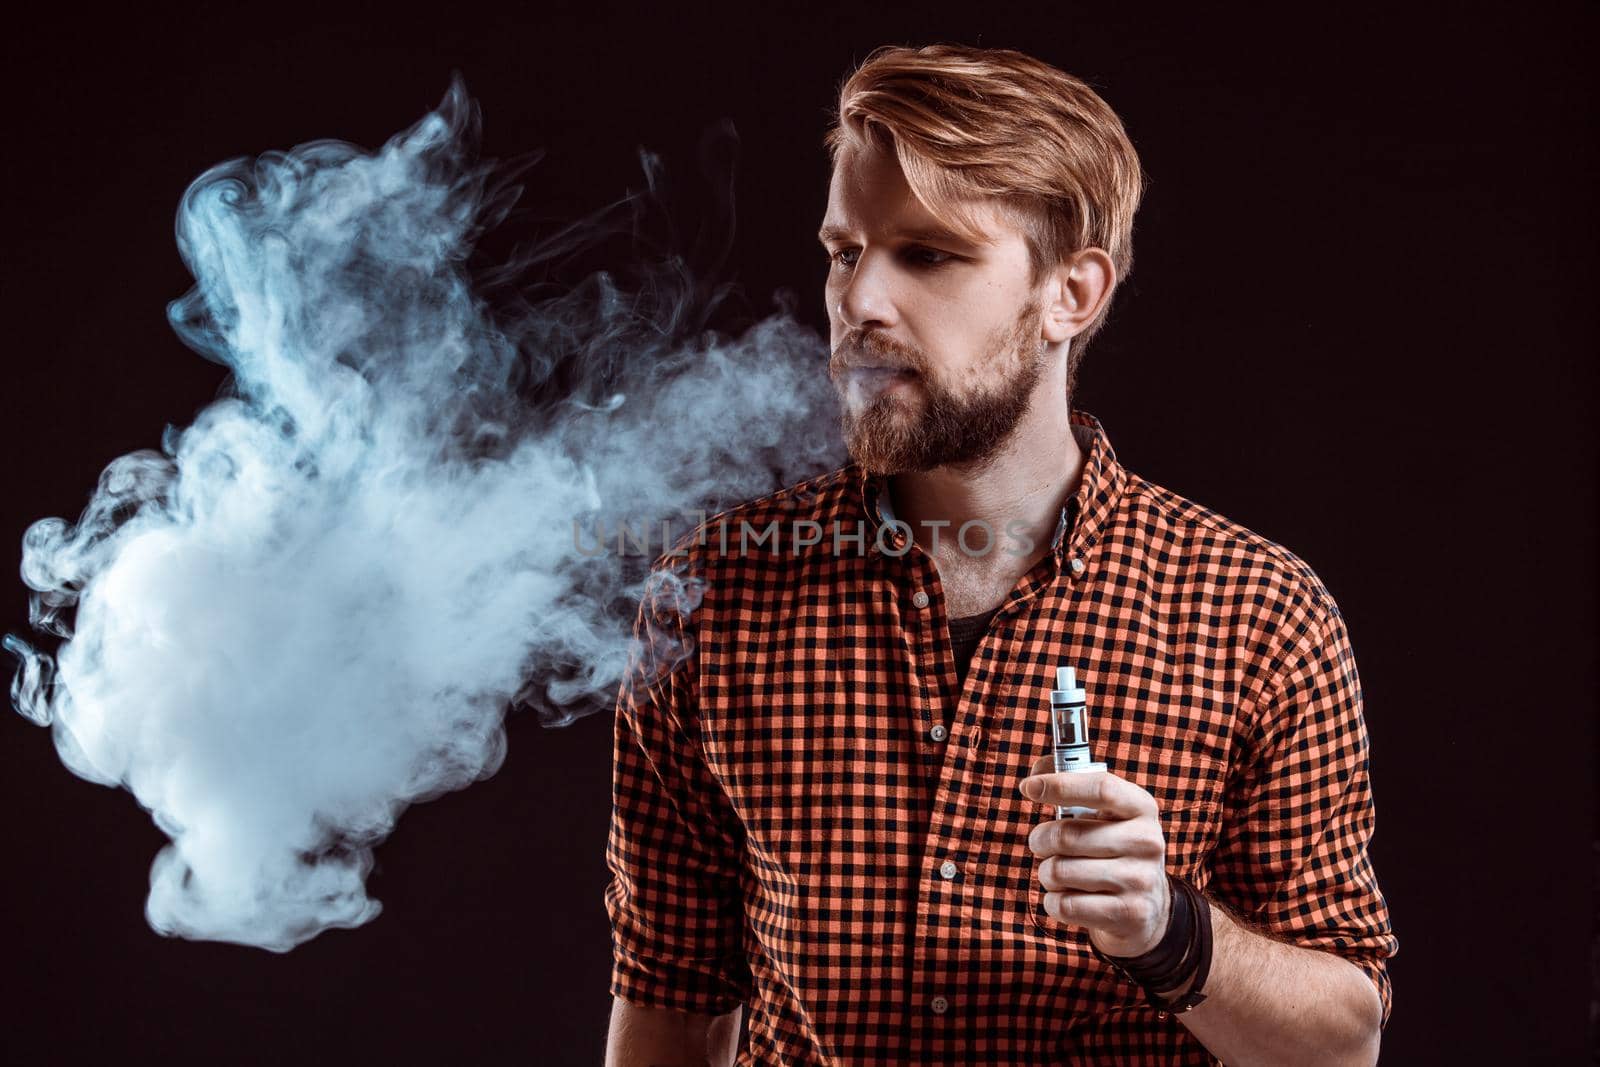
[(1069, 719)]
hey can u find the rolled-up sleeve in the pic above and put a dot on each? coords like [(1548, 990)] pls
[(1299, 815), (674, 847)]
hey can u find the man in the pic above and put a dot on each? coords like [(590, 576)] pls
[(834, 800)]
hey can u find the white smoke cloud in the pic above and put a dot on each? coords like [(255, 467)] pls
[(313, 606)]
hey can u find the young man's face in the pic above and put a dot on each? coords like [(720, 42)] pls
[(955, 326)]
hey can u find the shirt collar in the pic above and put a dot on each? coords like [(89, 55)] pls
[(1099, 489)]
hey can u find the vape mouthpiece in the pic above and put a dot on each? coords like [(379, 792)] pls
[(1067, 689)]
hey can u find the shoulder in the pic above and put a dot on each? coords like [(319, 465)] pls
[(1224, 566)]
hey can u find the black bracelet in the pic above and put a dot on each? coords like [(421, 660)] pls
[(1202, 959)]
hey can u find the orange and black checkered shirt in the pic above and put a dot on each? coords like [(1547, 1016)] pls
[(815, 817)]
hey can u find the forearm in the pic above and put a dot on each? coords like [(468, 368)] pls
[(1272, 1003), (660, 1037)]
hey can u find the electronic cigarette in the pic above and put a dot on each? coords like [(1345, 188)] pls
[(1070, 720)]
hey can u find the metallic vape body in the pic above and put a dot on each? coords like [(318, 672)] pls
[(1069, 719)]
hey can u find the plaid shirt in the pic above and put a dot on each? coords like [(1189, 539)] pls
[(813, 817)]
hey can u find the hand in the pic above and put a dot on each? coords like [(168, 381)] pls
[(1107, 873)]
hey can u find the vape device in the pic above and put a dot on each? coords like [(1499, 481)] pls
[(1070, 720)]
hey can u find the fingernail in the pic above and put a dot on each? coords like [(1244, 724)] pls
[(1031, 788)]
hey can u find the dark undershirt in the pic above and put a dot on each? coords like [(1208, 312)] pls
[(964, 637)]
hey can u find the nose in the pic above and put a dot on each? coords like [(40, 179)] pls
[(865, 300)]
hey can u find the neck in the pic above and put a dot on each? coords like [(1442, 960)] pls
[(1018, 493)]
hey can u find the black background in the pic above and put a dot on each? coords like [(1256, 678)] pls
[(1359, 323)]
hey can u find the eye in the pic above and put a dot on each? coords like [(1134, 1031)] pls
[(921, 256), (930, 257)]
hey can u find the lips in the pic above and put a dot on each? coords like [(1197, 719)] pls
[(877, 368), (879, 374), (867, 382)]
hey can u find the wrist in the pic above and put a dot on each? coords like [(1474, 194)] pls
[(1159, 952), (1173, 974)]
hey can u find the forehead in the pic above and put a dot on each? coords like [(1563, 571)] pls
[(868, 194)]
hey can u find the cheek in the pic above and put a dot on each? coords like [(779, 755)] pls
[(974, 360)]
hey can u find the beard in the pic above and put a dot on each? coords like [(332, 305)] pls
[(887, 435)]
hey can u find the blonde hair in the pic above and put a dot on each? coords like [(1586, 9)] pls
[(968, 124)]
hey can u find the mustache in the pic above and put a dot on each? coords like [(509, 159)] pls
[(874, 350)]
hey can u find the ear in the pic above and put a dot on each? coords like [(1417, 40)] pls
[(1075, 292)]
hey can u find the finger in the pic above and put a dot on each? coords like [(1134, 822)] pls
[(1113, 797), (1101, 910), (1097, 838), (1045, 764), (1058, 873)]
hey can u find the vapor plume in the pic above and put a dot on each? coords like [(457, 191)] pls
[(313, 606)]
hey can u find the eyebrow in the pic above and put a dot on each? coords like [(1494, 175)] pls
[(937, 236)]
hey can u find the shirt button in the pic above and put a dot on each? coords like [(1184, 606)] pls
[(947, 869), (939, 1005), (920, 599), (939, 733), (1077, 565)]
